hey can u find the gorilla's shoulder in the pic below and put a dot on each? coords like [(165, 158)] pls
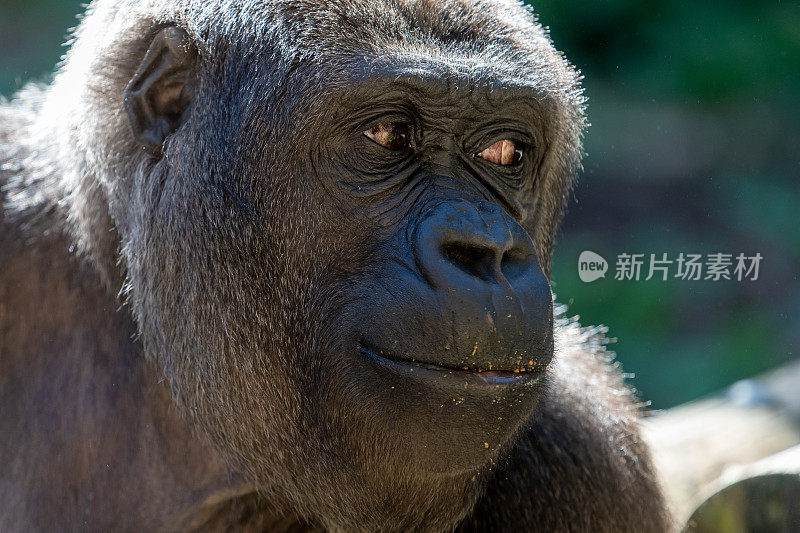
[(17, 116), (27, 172)]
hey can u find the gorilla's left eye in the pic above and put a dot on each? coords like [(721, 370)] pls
[(505, 152), (392, 135)]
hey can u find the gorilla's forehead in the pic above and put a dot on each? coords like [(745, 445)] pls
[(466, 34), (436, 75), (436, 86), (479, 22), (458, 47)]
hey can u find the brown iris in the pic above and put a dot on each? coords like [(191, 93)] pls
[(505, 152), (392, 135)]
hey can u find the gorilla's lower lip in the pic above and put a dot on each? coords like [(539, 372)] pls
[(493, 378)]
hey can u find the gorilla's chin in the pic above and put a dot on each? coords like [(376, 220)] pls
[(440, 420)]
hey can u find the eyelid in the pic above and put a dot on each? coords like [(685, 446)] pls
[(485, 137), (365, 119)]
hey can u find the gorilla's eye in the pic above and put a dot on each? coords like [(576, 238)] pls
[(505, 152), (392, 135)]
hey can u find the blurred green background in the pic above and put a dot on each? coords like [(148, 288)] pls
[(694, 147)]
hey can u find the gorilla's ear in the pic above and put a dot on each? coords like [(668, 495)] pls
[(162, 88)]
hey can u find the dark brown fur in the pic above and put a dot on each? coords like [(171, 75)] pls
[(192, 403)]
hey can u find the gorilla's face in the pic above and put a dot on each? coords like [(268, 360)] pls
[(342, 267), (446, 324)]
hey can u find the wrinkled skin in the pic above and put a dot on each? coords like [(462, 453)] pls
[(323, 324)]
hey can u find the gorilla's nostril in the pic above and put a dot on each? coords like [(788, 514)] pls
[(473, 259), (477, 248)]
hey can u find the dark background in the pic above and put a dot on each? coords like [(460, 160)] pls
[(694, 147)]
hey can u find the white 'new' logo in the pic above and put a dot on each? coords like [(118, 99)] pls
[(591, 266)]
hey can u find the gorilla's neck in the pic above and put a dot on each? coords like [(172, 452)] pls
[(79, 397)]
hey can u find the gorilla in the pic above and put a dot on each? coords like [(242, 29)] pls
[(283, 266)]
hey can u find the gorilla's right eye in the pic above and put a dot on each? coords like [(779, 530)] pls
[(392, 135)]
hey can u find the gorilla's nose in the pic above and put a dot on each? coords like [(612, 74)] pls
[(477, 244), (483, 265), (492, 255)]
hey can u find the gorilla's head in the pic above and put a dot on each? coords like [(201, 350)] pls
[(336, 223)]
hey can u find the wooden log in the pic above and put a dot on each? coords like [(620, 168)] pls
[(763, 496), (695, 444)]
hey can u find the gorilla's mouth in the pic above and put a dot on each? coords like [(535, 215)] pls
[(470, 377)]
